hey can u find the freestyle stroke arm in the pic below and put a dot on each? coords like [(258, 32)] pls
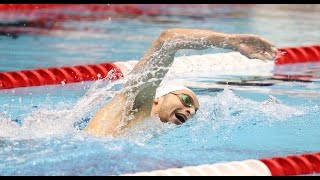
[(154, 65), (136, 99)]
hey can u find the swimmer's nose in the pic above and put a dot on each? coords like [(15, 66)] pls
[(190, 112)]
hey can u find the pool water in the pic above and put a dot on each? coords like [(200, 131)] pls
[(245, 112)]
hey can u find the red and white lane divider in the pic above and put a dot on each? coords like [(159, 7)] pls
[(302, 54), (143, 9), (61, 75), (305, 164), (295, 55), (72, 74), (19, 7)]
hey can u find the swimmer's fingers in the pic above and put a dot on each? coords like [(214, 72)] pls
[(266, 53), (259, 56), (264, 56), (254, 52), (256, 47), (271, 56), (266, 49), (271, 52), (267, 56), (274, 52)]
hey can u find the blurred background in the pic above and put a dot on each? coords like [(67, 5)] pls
[(50, 35)]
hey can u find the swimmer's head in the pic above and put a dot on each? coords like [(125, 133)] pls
[(175, 103)]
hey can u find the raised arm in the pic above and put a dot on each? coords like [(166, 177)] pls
[(135, 102), (153, 66)]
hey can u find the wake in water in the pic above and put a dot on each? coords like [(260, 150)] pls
[(226, 110), (46, 122), (223, 109), (47, 141), (231, 106), (216, 110)]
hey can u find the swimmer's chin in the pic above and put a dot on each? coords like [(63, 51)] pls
[(175, 121)]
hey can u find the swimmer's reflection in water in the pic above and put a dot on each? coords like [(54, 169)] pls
[(143, 94)]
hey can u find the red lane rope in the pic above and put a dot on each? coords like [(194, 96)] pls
[(72, 11), (48, 15), (302, 54), (69, 74), (298, 55), (17, 7), (11, 7), (293, 165), (34, 12)]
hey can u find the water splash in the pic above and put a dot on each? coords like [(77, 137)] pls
[(7, 127), (147, 130), (223, 110), (59, 120)]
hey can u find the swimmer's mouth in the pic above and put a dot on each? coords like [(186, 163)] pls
[(181, 117)]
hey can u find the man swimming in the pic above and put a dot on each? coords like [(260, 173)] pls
[(142, 98)]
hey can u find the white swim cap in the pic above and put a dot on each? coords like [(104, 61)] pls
[(166, 89)]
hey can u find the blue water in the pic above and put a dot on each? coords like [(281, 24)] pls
[(40, 126)]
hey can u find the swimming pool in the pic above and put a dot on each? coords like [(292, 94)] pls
[(40, 125)]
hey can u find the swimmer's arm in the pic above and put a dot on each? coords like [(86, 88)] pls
[(159, 58), (252, 46)]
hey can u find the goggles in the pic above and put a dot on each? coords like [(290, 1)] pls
[(185, 100)]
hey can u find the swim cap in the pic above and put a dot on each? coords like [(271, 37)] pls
[(166, 89)]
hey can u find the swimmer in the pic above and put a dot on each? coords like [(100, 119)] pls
[(170, 103)]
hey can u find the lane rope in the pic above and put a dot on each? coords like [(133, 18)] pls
[(59, 75), (304, 164), (73, 74)]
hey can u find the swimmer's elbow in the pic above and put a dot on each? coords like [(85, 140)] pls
[(168, 34), (164, 36), (168, 37)]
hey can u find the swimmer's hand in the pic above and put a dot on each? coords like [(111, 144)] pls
[(255, 47)]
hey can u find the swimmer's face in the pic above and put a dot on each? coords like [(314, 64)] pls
[(177, 107)]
